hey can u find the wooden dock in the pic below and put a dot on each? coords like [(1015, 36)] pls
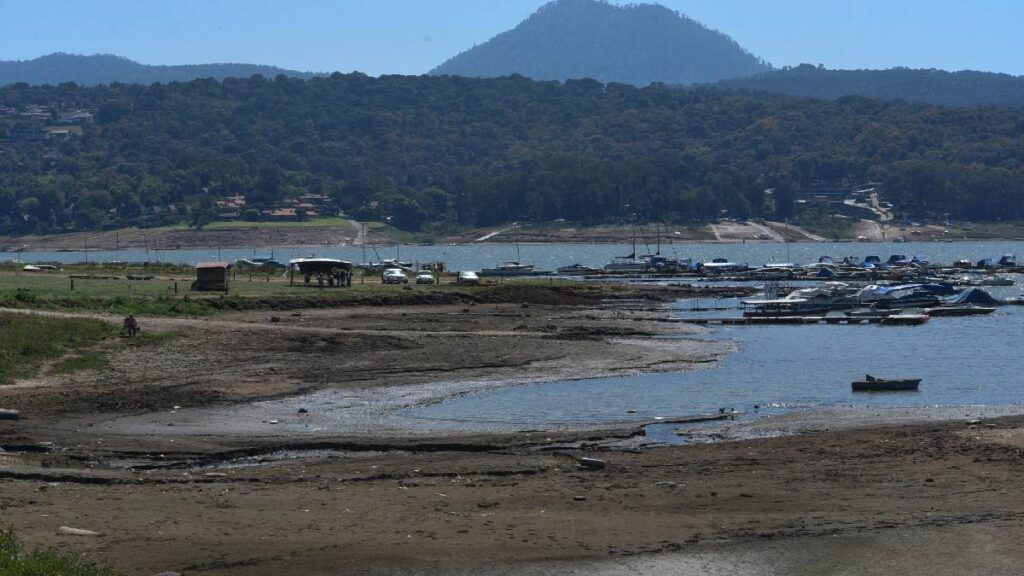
[(744, 321)]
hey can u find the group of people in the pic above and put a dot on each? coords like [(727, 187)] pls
[(330, 279)]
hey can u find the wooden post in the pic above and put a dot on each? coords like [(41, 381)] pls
[(72, 284), (175, 286)]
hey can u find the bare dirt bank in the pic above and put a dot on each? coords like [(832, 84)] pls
[(311, 235), (375, 499), (905, 500)]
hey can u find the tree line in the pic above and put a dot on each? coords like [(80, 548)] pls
[(448, 152)]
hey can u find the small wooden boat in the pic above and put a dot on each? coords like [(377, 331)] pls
[(872, 384)]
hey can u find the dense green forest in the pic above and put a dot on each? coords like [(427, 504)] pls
[(447, 151), (964, 88)]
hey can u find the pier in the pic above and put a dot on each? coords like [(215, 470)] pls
[(843, 320)]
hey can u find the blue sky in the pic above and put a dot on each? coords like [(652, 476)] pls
[(412, 36)]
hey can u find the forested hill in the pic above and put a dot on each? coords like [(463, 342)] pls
[(636, 44), (966, 88), (106, 68), (447, 151)]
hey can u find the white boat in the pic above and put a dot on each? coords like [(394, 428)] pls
[(510, 268), (904, 320), (833, 295), (628, 264), (721, 265), (779, 307), (872, 313), (623, 264), (577, 269), (995, 281)]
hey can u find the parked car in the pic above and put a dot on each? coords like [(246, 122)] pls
[(394, 276), (467, 277), (424, 278)]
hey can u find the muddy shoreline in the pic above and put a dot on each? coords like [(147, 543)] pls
[(314, 237), (192, 455)]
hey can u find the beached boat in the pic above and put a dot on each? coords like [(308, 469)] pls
[(872, 384)]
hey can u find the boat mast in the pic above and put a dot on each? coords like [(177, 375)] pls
[(518, 257), (363, 239), (634, 239)]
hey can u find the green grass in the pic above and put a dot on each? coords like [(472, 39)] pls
[(29, 340), (157, 297), (87, 360), (15, 560)]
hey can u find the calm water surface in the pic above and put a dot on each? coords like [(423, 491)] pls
[(963, 361), (551, 256)]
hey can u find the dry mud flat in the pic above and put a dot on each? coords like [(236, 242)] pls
[(374, 499)]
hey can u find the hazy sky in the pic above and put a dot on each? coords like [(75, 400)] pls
[(412, 36)]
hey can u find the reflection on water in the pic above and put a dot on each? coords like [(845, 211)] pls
[(963, 361)]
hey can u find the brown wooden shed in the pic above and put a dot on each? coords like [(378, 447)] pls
[(212, 276)]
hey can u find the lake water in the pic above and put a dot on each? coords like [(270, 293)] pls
[(552, 256), (962, 361)]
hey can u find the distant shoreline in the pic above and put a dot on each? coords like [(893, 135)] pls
[(312, 236)]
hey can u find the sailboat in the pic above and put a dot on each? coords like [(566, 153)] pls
[(511, 267), (627, 264)]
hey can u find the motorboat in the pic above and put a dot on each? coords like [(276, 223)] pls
[(577, 270), (782, 307), (626, 264), (830, 296), (721, 265), (510, 268), (901, 296), (872, 384), (904, 320), (872, 313)]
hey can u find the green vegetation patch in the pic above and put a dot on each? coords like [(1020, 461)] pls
[(16, 561), (88, 360), (29, 340)]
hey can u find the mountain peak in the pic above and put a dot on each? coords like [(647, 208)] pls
[(634, 44)]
